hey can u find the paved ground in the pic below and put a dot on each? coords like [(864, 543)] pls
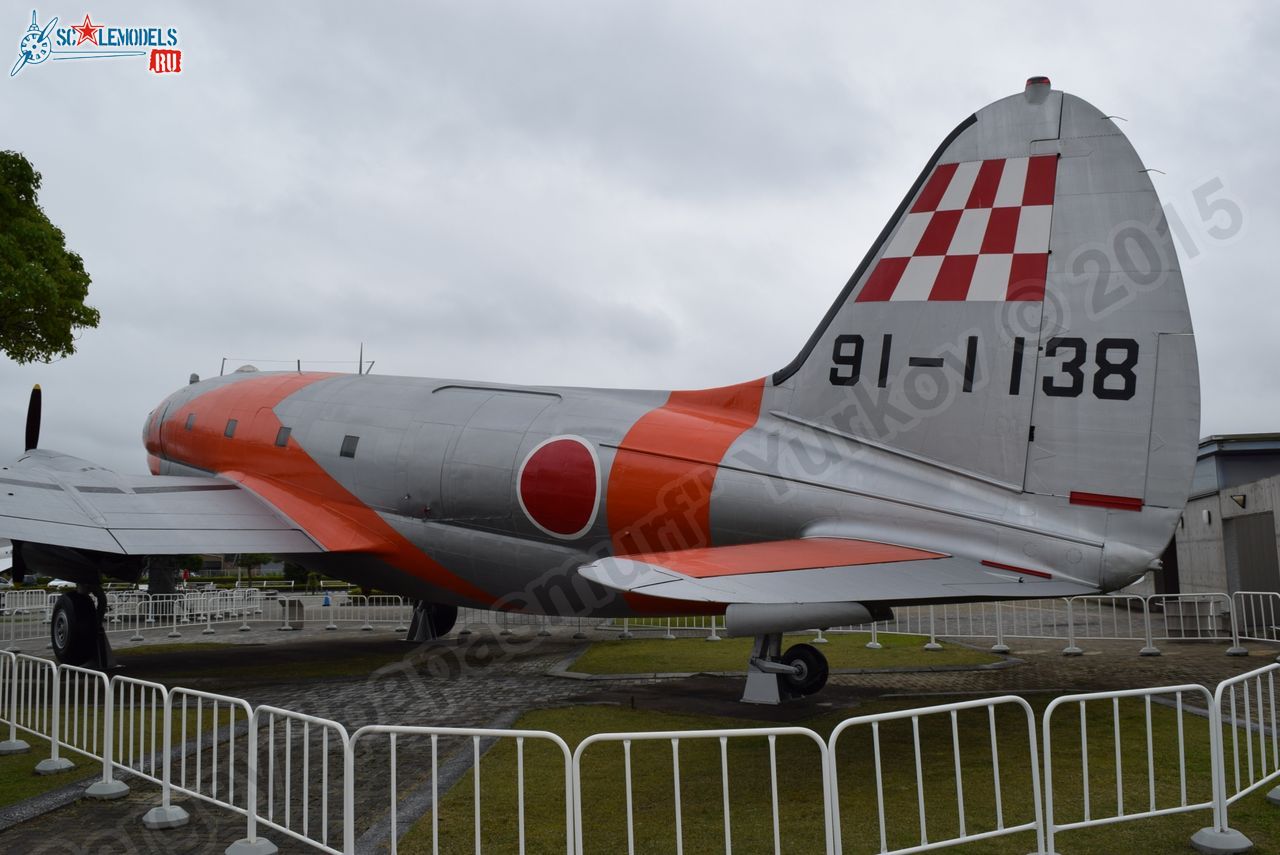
[(489, 679)]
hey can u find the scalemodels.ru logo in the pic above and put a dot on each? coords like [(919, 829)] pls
[(90, 40)]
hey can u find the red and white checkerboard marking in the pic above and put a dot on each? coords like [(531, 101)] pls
[(979, 230)]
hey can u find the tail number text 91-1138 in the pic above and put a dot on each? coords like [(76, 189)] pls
[(1114, 362)]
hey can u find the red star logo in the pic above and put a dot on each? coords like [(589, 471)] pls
[(88, 31)]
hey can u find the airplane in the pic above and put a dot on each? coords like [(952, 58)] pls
[(1002, 403)]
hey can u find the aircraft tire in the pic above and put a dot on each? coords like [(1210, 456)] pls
[(73, 628), (812, 665)]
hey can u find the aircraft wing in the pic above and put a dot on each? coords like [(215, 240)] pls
[(51, 498), (822, 570)]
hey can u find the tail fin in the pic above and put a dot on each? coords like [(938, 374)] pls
[(1021, 317)]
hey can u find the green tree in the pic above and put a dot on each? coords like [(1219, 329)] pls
[(295, 573), (253, 560), (163, 571), (43, 285)]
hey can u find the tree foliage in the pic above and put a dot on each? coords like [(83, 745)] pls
[(43, 285), (253, 560)]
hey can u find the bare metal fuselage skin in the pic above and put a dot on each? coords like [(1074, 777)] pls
[(438, 461)]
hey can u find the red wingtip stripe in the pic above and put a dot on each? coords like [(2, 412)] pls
[(1101, 500), (1040, 574)]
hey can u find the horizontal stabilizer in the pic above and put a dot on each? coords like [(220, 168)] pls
[(822, 570)]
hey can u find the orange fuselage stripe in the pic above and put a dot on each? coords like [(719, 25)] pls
[(288, 477), (659, 495)]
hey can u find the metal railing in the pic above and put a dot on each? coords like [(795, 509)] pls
[(295, 774), (297, 747), (1246, 706), (478, 739), (1157, 802), (212, 778), (680, 810), (1257, 615), (925, 771)]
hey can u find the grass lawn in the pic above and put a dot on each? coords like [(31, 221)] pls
[(692, 655), (232, 664), (18, 779), (799, 788)]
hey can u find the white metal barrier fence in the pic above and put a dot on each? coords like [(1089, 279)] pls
[(477, 737), (295, 774), (1246, 706), (678, 813), (1257, 615), (1160, 796), (209, 767), (297, 747), (1145, 620), (931, 768)]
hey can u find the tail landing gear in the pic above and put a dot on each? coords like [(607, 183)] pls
[(774, 677), (77, 632)]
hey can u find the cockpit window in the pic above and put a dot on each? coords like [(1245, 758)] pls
[(282, 436), (349, 444), (191, 420), (231, 429)]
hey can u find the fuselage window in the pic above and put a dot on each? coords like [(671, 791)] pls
[(191, 420), (282, 436), (231, 429), (349, 444)]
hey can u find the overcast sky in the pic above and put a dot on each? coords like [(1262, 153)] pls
[(645, 194)]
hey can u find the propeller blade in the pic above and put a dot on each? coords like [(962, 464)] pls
[(33, 419)]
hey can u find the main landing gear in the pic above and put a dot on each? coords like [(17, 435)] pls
[(774, 676), (431, 621), (76, 629)]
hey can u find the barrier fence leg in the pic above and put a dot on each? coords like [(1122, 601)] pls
[(1150, 649), (713, 636), (167, 814), (626, 630), (579, 635), (544, 631), (932, 643), (999, 646), (1072, 649), (137, 628), (1235, 649), (53, 763), (13, 745), (819, 638), (670, 636), (251, 843), (1219, 838), (874, 643), (108, 787)]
